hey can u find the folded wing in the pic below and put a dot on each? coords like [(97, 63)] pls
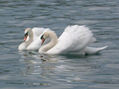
[(74, 38)]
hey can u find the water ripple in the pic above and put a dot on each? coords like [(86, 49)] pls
[(29, 70)]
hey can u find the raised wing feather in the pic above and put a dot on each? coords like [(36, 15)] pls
[(73, 39)]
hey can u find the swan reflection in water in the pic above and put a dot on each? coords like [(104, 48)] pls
[(42, 64), (48, 67), (54, 67)]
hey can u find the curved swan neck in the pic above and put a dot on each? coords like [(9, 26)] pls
[(52, 43), (30, 38)]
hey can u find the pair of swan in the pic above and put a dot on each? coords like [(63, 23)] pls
[(31, 39), (74, 40)]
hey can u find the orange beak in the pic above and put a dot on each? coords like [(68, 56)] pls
[(42, 41), (25, 37)]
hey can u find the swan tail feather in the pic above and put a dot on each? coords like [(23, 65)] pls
[(92, 50)]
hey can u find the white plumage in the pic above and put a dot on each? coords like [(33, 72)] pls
[(75, 40), (35, 44)]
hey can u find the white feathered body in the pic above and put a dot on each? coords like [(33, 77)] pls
[(75, 40)]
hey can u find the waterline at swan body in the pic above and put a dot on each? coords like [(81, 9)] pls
[(32, 39), (74, 40)]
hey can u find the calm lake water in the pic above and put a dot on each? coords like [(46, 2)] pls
[(28, 70)]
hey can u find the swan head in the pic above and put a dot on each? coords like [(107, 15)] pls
[(27, 33), (44, 36), (53, 40), (48, 34)]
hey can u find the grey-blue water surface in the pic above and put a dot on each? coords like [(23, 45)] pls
[(28, 70)]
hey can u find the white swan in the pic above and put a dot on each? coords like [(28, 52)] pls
[(32, 39), (74, 40)]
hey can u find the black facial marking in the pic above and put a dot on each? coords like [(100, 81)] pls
[(42, 36), (26, 34)]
